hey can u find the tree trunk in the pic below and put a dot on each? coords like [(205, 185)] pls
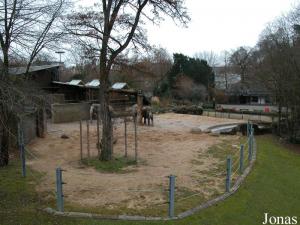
[(4, 114), (4, 72), (106, 143), (4, 145)]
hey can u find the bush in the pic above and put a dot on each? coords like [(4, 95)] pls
[(193, 110), (207, 105)]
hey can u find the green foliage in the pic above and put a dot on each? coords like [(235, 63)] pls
[(193, 110), (196, 69), (162, 89)]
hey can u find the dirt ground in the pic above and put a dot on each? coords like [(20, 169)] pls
[(166, 148)]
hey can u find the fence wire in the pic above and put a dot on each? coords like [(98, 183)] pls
[(164, 190)]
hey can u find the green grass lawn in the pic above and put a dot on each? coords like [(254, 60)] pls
[(272, 187)]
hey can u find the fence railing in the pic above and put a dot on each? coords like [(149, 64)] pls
[(233, 169), (235, 166), (241, 116)]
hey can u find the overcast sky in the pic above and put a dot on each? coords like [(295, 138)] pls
[(218, 25)]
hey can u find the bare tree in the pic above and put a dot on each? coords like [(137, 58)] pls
[(209, 56), (278, 68), (187, 89), (116, 25), (25, 29), (239, 60)]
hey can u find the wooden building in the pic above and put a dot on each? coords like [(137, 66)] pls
[(41, 76)]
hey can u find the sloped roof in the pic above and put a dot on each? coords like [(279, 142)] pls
[(22, 70), (93, 83), (76, 82), (67, 84), (119, 86)]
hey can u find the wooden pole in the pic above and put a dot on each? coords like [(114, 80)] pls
[(88, 138), (125, 123), (139, 107), (135, 139), (80, 140), (112, 137)]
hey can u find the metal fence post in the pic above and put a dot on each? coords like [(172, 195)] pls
[(250, 146), (251, 140), (248, 125), (171, 195), (22, 150), (228, 174), (242, 159), (59, 190)]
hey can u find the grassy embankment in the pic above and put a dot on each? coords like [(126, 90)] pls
[(273, 187)]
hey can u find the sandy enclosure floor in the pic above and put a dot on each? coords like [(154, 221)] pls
[(166, 148)]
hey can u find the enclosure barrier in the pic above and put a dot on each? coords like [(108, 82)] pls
[(59, 190), (24, 154), (241, 116), (171, 196), (233, 168), (60, 195), (237, 168)]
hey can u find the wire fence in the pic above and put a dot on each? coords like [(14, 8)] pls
[(171, 194), (240, 116)]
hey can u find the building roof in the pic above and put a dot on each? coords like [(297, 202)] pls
[(67, 84), (93, 83), (118, 86), (22, 70), (76, 82)]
